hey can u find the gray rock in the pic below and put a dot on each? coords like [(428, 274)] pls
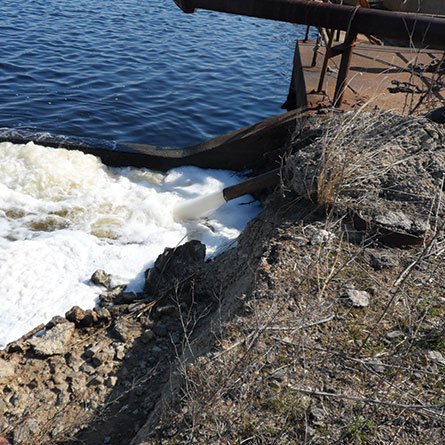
[(103, 314), (356, 298), (379, 260), (119, 351), (174, 266), (100, 277), (7, 370), (54, 341), (111, 295), (126, 330), (25, 431), (321, 237), (437, 357), (394, 335), (95, 348), (61, 387), (394, 219), (102, 357), (97, 380), (317, 414)]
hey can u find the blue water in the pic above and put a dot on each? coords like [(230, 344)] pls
[(139, 70)]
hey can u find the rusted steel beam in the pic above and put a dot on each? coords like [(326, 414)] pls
[(423, 30), (344, 68)]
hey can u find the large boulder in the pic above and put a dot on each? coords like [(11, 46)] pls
[(174, 269)]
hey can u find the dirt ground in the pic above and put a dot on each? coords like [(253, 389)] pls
[(317, 327)]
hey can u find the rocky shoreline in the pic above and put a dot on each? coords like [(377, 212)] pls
[(310, 330)]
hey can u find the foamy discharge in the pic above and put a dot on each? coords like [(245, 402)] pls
[(63, 214)]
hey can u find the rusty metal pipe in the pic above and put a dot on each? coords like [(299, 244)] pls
[(423, 30)]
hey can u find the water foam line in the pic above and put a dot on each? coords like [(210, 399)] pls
[(204, 205)]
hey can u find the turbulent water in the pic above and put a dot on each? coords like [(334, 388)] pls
[(130, 70), (64, 214), (139, 71)]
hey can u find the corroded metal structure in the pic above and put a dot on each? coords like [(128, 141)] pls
[(423, 30)]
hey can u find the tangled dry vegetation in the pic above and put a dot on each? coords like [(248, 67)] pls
[(324, 325), (337, 337)]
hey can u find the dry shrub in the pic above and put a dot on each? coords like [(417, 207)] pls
[(374, 163)]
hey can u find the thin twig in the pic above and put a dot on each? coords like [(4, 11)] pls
[(372, 401)]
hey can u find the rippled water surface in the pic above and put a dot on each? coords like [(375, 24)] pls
[(140, 71)]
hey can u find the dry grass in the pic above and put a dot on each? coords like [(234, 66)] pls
[(299, 364)]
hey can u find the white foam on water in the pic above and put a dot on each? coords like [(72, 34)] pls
[(63, 215)]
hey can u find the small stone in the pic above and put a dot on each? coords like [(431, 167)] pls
[(87, 368), (316, 414), (7, 370), (321, 237), (97, 380), (394, 335), (126, 330), (380, 261), (356, 297), (61, 387), (119, 351), (75, 315), (437, 357), (111, 381), (56, 363), (103, 314), (74, 362), (94, 349), (103, 357), (113, 294), (100, 277), (78, 383), (58, 378), (54, 341)]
